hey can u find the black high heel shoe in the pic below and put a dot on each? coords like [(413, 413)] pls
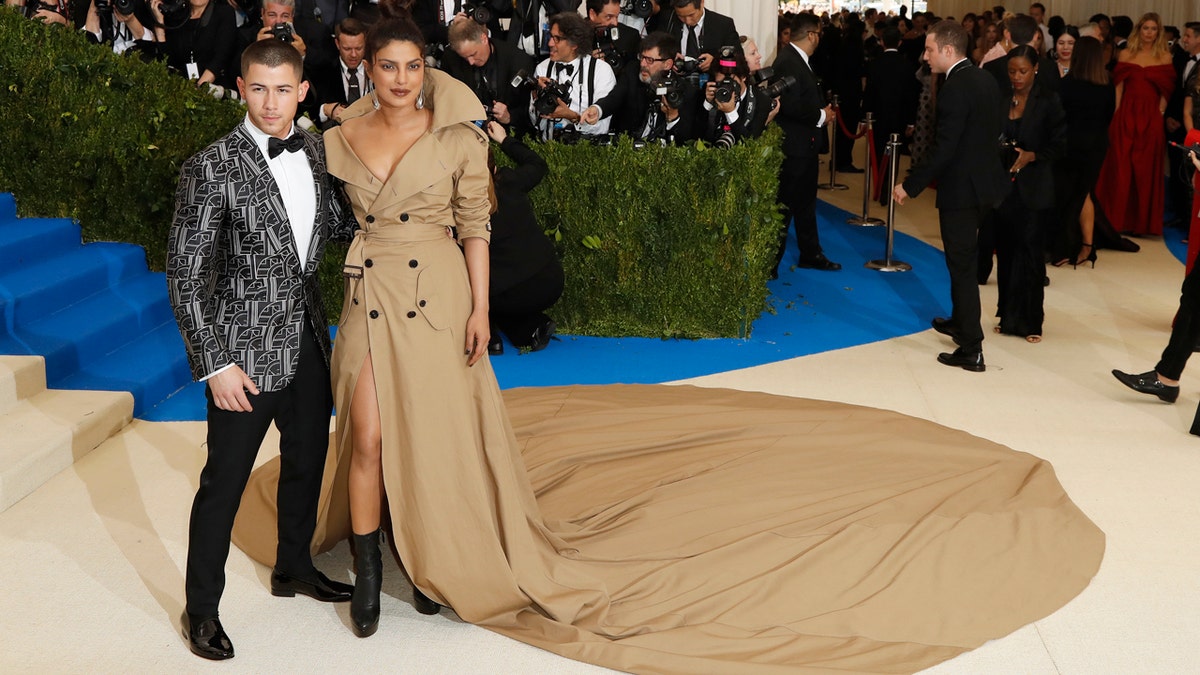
[(1091, 257)]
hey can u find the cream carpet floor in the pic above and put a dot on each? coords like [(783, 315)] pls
[(92, 561)]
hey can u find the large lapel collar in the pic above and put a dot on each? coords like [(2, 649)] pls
[(264, 192)]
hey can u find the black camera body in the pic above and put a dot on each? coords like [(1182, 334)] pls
[(478, 12), (175, 13), (283, 32), (674, 88), (122, 7), (642, 9), (726, 90), (545, 99), (606, 43)]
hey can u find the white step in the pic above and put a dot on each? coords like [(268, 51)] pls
[(45, 433), (20, 377)]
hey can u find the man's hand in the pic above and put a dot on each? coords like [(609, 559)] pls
[(298, 43), (728, 106), (898, 194), (774, 111), (500, 112), (496, 132), (710, 92), (706, 61), (229, 389), (563, 112), (591, 115), (829, 113), (50, 17), (671, 113)]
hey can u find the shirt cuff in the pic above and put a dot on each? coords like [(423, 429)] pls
[(216, 372), (732, 116), (821, 119)]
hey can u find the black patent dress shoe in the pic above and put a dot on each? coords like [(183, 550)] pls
[(319, 587), (542, 335), (944, 326), (495, 346), (1148, 383), (206, 638), (972, 361), (424, 604), (819, 262)]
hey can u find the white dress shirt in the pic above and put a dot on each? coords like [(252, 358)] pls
[(581, 98), (365, 86), (683, 36)]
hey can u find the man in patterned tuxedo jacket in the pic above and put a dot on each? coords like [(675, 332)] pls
[(252, 215)]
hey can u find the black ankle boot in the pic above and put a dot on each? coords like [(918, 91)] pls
[(423, 603), (364, 603)]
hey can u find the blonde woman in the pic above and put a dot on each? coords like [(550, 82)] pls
[(1131, 181)]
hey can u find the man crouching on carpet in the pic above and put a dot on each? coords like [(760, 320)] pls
[(252, 215)]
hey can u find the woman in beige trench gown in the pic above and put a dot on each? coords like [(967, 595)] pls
[(648, 529)]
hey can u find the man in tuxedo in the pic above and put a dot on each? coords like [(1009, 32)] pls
[(529, 29), (803, 113), (971, 180), (344, 81), (1187, 69), (1023, 30), (892, 91), (488, 67), (571, 65), (252, 215), (623, 48), (701, 33), (636, 106)]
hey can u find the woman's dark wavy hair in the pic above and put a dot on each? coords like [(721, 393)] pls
[(395, 26), (1087, 61)]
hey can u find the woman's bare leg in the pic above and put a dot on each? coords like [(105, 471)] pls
[(366, 467), (1087, 227)]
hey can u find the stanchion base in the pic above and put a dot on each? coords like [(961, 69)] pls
[(865, 222), (833, 186), (888, 266)]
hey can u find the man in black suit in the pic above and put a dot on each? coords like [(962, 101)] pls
[(636, 106), (742, 115), (802, 116), (311, 38), (529, 29), (701, 33), (971, 180), (344, 81), (892, 91), (252, 215), (615, 42), (1187, 70), (1023, 30), (434, 17), (488, 67)]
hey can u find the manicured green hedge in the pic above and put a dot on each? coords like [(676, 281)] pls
[(97, 137), (658, 242)]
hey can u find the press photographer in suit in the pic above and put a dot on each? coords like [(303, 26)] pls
[(701, 33), (730, 104), (971, 180), (529, 29), (585, 79), (489, 67), (620, 51), (253, 212), (345, 80), (802, 116), (639, 110)]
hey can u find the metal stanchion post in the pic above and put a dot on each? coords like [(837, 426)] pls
[(887, 264), (831, 123), (865, 218)]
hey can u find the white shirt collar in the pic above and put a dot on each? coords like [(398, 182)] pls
[(261, 137), (803, 54)]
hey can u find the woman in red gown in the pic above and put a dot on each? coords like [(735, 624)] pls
[(1131, 181)]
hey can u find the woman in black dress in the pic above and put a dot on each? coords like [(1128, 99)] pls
[(1089, 100), (1035, 136)]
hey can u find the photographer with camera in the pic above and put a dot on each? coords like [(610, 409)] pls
[(55, 11), (198, 38), (279, 20), (700, 33), (734, 109), (645, 16), (529, 29), (345, 81), (571, 80), (434, 17), (490, 68), (615, 42), (652, 102), (526, 275), (121, 24)]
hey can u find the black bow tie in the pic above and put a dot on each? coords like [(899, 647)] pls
[(568, 68), (294, 143)]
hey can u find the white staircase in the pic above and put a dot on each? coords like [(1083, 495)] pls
[(43, 431)]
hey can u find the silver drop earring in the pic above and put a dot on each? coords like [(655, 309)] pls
[(375, 100), (421, 99)]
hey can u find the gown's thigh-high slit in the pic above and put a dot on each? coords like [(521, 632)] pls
[(365, 411)]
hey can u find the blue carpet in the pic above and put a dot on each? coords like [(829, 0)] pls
[(810, 312), (1175, 239)]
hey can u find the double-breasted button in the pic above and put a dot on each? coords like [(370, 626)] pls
[(404, 217), (421, 303), (370, 219), (413, 263), (369, 263), (374, 314), (412, 315), (356, 301)]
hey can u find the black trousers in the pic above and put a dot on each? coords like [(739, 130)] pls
[(798, 194), (301, 412), (960, 233), (1186, 330), (519, 311)]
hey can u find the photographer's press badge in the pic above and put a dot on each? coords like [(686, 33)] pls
[(193, 70)]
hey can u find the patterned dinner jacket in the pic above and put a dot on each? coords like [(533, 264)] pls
[(233, 272)]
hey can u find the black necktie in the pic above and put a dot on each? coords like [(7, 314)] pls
[(568, 68), (352, 82), (693, 45), (294, 143)]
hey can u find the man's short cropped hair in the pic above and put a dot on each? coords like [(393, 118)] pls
[(687, 3), (668, 47), (1023, 28), (950, 34), (465, 30), (349, 26), (272, 54), (803, 24)]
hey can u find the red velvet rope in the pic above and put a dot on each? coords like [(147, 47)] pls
[(842, 125)]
